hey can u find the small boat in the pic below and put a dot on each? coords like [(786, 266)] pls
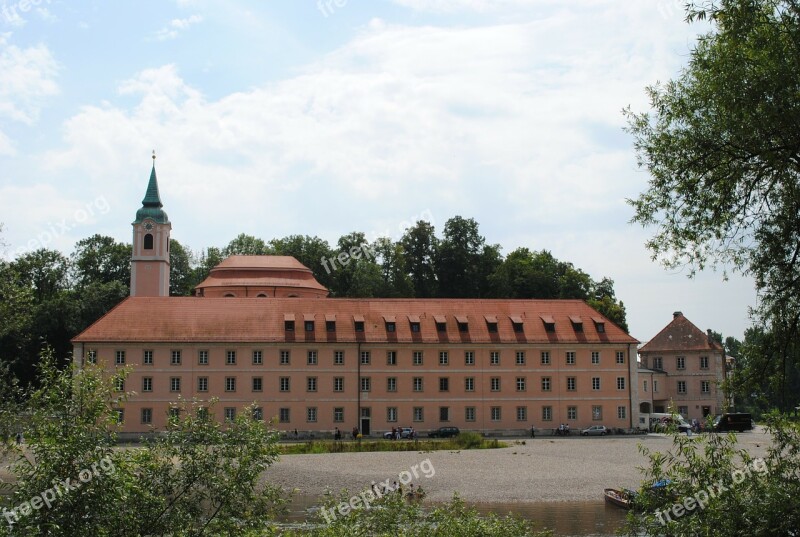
[(620, 498)]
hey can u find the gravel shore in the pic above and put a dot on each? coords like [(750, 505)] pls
[(544, 469)]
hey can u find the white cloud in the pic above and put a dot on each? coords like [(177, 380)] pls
[(173, 29)]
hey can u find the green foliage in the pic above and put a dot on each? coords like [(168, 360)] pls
[(199, 478), (394, 516), (740, 496), (465, 440), (720, 143)]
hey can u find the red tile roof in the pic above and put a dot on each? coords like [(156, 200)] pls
[(179, 319), (261, 271), (680, 335), (281, 262)]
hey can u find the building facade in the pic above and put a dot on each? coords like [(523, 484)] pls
[(682, 366), (262, 337)]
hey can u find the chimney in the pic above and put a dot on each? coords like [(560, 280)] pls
[(677, 314)]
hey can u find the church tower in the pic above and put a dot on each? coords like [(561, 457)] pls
[(150, 261)]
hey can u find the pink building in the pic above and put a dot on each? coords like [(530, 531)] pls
[(261, 331)]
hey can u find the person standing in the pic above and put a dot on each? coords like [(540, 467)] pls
[(533, 432)]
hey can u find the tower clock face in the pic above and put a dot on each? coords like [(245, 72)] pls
[(148, 226)]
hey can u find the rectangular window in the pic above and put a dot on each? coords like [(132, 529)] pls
[(417, 358), (595, 383), (174, 413), (469, 358), (469, 413), (520, 356), (520, 384), (463, 327), (522, 413), (311, 358), (202, 384), (444, 413), (680, 362), (443, 358), (444, 384), (119, 385), (545, 358), (284, 359), (419, 413), (338, 357), (391, 384), (202, 357), (572, 384), (258, 384), (683, 410), (366, 384), (283, 415), (147, 415), (338, 384), (494, 358), (309, 325), (595, 357), (284, 384), (202, 413), (338, 414), (545, 384), (365, 358), (495, 413), (175, 384), (655, 385), (658, 363), (417, 383), (620, 383), (330, 326), (704, 362), (359, 326), (570, 357), (311, 414), (391, 326), (119, 358), (492, 327), (681, 386), (494, 384), (620, 357), (441, 327), (622, 412), (415, 327), (644, 385), (705, 386), (572, 412), (391, 414), (230, 384), (175, 358), (597, 412), (391, 358), (147, 384), (258, 358), (147, 358), (517, 327), (230, 357), (469, 384), (288, 326), (91, 356), (547, 413), (230, 413)]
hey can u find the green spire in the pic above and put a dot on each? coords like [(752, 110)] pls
[(151, 204)]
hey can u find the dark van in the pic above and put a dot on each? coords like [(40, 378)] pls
[(738, 421)]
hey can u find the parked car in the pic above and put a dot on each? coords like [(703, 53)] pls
[(595, 430), (405, 432), (734, 421), (444, 432)]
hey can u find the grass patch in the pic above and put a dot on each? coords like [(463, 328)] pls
[(465, 440)]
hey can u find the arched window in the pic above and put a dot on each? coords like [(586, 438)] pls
[(261, 295), (148, 241), (229, 295)]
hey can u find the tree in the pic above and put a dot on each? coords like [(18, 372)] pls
[(463, 260), (199, 477), (396, 281), (181, 273), (721, 146), (44, 271), (420, 247), (245, 244), (101, 259), (310, 251)]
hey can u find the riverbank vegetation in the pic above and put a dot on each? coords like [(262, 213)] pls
[(465, 440)]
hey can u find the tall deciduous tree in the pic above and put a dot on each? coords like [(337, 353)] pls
[(722, 145), (101, 259), (420, 246)]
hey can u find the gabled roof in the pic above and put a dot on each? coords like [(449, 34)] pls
[(191, 319), (680, 335)]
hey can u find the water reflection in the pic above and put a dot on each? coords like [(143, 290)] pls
[(564, 518)]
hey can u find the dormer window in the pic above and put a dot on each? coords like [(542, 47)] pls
[(577, 323), (549, 323), (330, 323), (413, 321), (390, 323), (309, 326), (441, 323), (516, 323), (599, 324), (491, 323), (288, 322), (390, 327), (358, 321), (463, 323)]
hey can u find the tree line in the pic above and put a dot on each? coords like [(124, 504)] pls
[(47, 297)]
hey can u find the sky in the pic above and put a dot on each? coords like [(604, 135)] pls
[(323, 117)]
